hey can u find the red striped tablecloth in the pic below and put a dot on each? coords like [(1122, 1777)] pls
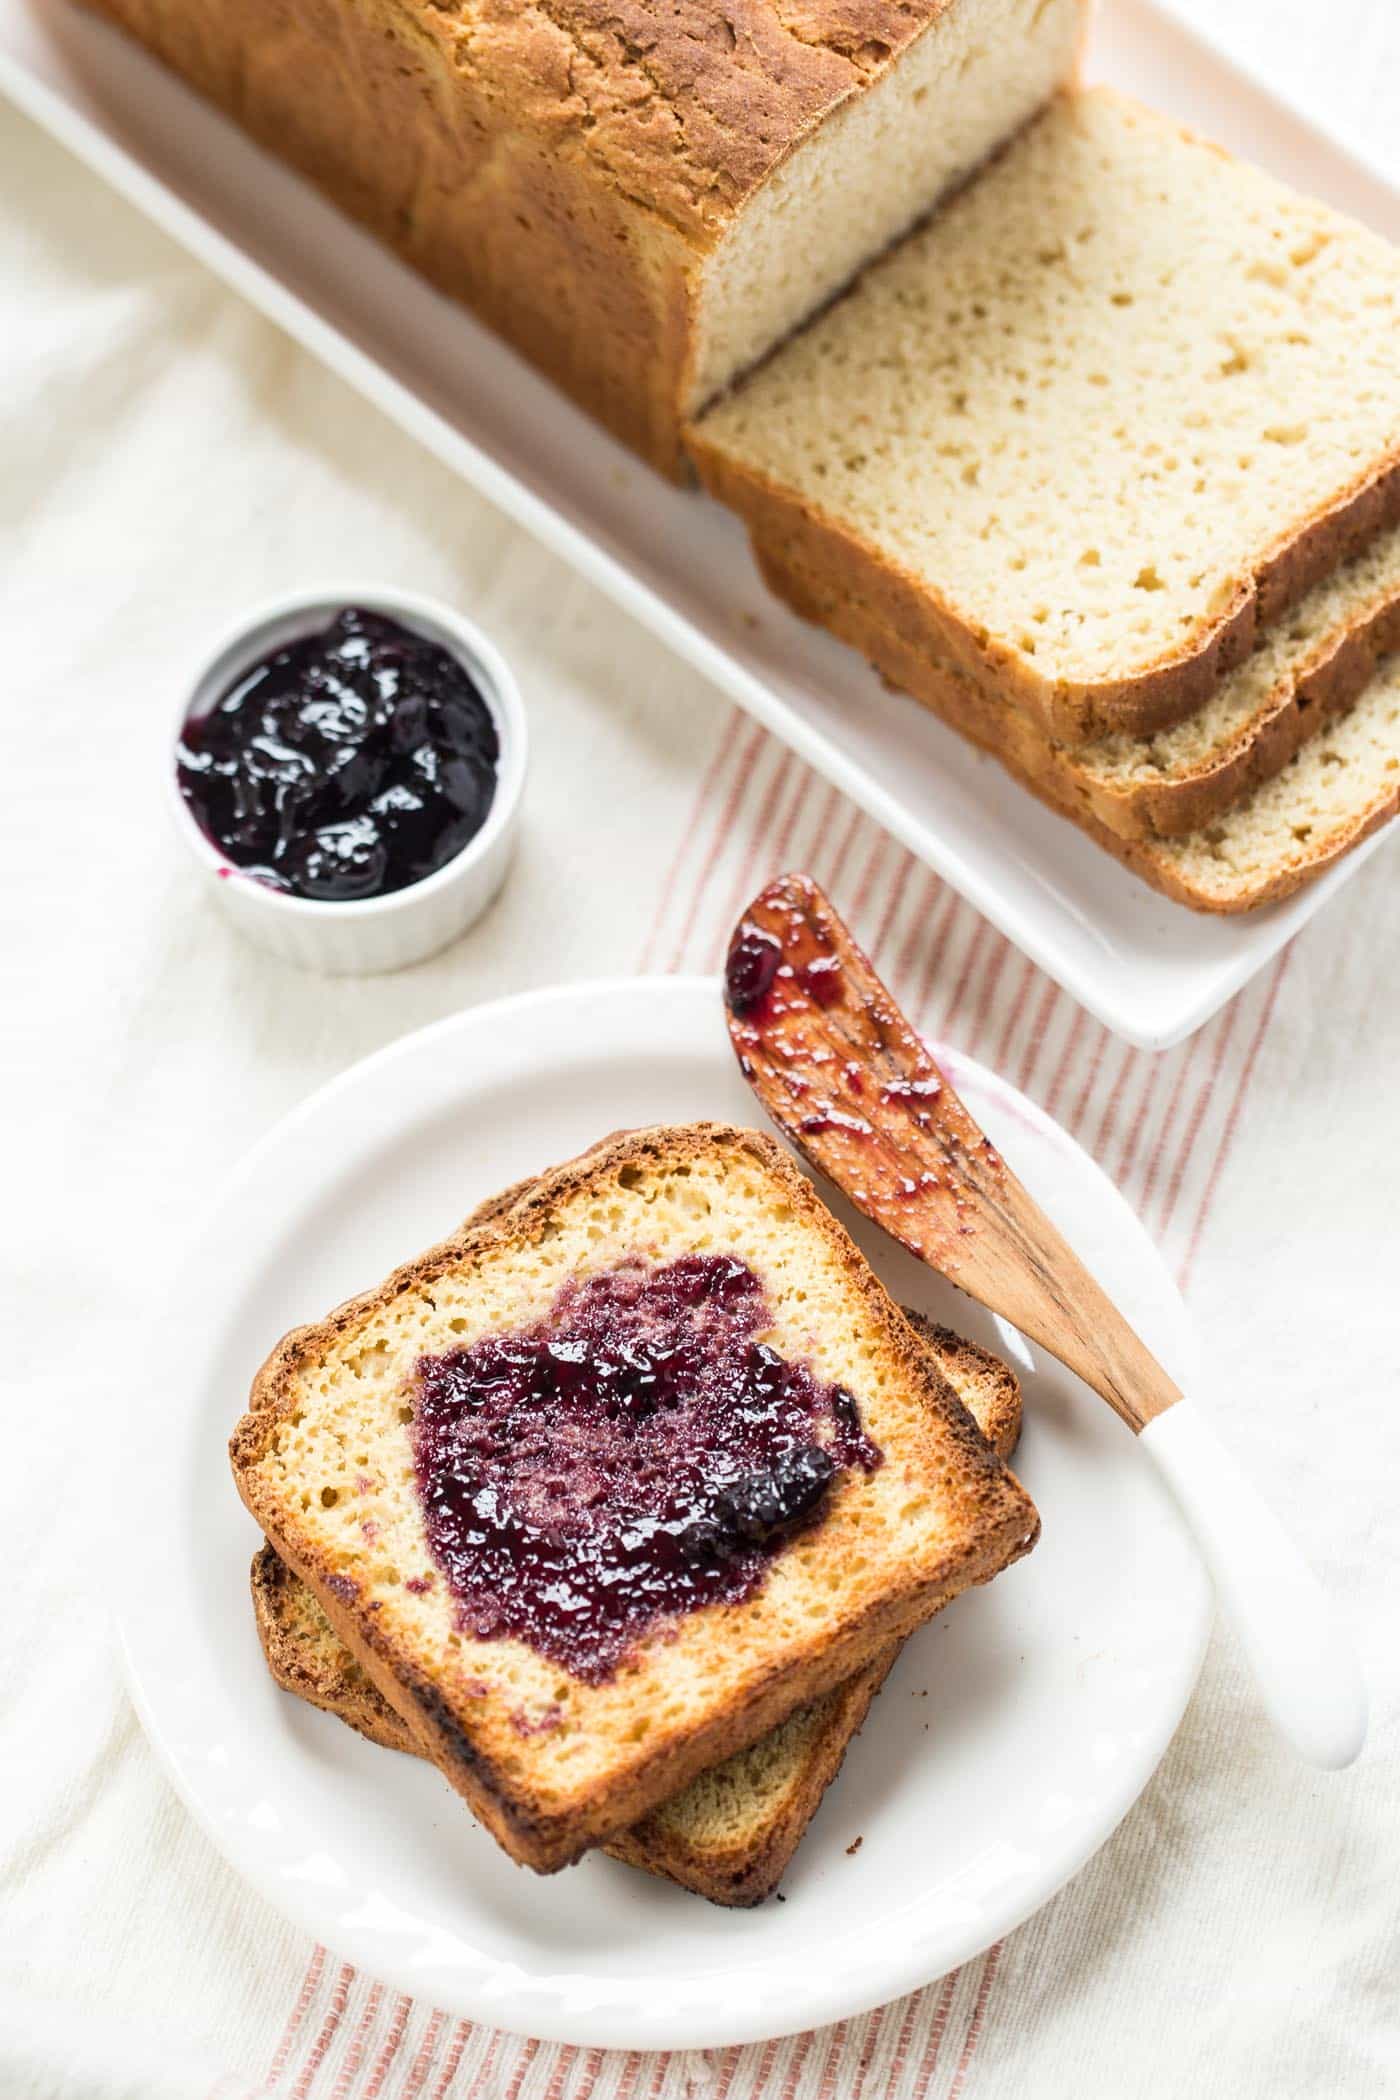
[(169, 460), (1162, 1126)]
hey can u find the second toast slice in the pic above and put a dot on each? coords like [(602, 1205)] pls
[(555, 1758)]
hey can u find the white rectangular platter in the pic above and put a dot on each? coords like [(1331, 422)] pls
[(1148, 969)]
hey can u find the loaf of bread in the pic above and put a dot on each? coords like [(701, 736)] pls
[(1308, 667), (642, 199), (1117, 405), (554, 1753), (732, 1832)]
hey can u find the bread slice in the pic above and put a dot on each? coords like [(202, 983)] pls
[(1120, 402), (731, 1833), (1306, 668), (1341, 785), (642, 199), (550, 1763)]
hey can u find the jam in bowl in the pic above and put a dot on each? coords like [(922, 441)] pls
[(349, 766)]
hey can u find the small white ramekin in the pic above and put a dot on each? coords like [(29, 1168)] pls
[(372, 933)]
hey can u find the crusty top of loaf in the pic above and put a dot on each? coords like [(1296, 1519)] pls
[(688, 107)]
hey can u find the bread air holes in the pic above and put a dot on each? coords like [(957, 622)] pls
[(1308, 249), (1148, 578)]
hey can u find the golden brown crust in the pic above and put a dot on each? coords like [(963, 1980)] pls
[(369, 100), (1145, 809), (794, 536), (1010, 737), (562, 165), (998, 1416), (999, 1523), (294, 1648), (305, 1659), (743, 1874)]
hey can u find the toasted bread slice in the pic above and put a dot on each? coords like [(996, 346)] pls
[(325, 1461), (731, 1833)]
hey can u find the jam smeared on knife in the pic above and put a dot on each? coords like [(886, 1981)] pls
[(840, 1069), (639, 1452), (847, 1077)]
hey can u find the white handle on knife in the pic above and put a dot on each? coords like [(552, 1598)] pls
[(1303, 1657)]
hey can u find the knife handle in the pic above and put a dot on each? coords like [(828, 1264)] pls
[(1304, 1661)]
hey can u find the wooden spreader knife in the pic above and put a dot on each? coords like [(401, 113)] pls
[(846, 1077)]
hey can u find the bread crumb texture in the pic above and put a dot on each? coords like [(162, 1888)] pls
[(1092, 398), (729, 1834), (1306, 669), (1343, 783), (329, 1468), (1287, 658), (1263, 845)]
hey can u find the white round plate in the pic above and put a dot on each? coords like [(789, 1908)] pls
[(1011, 1738)]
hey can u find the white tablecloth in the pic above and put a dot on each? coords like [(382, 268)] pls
[(167, 458)]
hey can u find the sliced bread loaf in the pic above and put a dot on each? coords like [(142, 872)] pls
[(643, 199), (1341, 785), (731, 1833), (1307, 667), (554, 1755), (1120, 402)]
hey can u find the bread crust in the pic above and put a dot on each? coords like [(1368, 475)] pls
[(750, 1873), (1333, 674), (739, 1873), (280, 1601), (563, 166), (1021, 749), (794, 536), (747, 1874), (999, 1524)]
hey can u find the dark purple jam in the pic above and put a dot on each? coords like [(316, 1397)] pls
[(750, 968), (638, 1453), (348, 764)]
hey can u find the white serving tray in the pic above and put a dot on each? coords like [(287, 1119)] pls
[(1148, 969)]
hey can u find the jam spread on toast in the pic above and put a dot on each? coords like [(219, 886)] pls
[(347, 764), (638, 1453)]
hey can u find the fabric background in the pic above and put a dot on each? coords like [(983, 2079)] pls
[(167, 458)]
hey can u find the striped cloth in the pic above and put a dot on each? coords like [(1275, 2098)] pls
[(169, 459), (1162, 1125)]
